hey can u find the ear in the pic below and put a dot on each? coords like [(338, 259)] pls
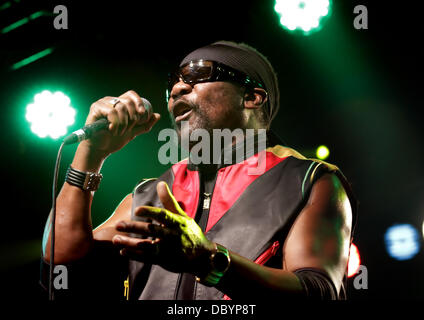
[(255, 98)]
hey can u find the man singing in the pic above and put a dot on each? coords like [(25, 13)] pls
[(214, 229)]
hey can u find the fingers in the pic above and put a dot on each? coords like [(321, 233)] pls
[(132, 243), (140, 108), (130, 104), (104, 109), (145, 229), (163, 216), (167, 198), (126, 116), (136, 249)]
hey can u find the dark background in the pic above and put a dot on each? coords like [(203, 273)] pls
[(356, 91)]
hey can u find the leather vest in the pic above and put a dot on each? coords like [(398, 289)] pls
[(249, 214)]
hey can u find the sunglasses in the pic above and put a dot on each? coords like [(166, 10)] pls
[(208, 71)]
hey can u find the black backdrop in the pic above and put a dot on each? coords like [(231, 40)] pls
[(357, 91)]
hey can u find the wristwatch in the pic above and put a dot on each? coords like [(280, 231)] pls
[(219, 263)]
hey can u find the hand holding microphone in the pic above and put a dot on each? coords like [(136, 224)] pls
[(113, 122)]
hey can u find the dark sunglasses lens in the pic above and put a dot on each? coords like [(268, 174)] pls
[(197, 71), (192, 73)]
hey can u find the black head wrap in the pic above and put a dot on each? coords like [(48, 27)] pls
[(244, 58)]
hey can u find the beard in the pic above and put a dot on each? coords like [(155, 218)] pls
[(198, 119), (205, 119)]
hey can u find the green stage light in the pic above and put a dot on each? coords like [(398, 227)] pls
[(31, 59), (50, 114), (303, 15), (322, 152), (23, 21)]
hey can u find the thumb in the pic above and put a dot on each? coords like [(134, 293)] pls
[(168, 200)]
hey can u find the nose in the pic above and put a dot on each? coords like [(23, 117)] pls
[(179, 89)]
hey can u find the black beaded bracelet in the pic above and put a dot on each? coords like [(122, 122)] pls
[(88, 181)]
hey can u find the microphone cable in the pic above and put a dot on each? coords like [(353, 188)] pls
[(53, 221)]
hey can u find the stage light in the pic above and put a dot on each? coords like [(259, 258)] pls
[(50, 114), (322, 152), (354, 261), (23, 21), (402, 241), (31, 59), (303, 15)]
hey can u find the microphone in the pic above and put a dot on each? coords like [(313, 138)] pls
[(87, 131)]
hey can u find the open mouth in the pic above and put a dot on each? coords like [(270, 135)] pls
[(181, 111)]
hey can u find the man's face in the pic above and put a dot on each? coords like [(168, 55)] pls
[(208, 105)]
